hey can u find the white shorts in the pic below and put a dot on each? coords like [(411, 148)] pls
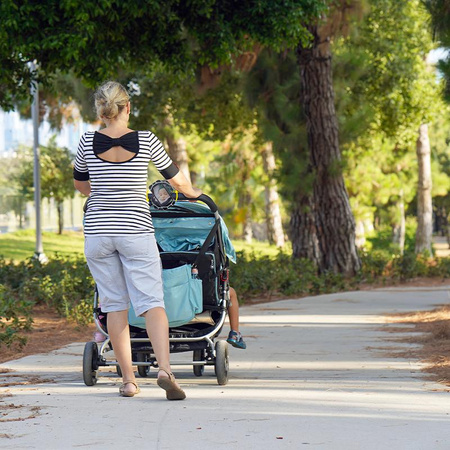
[(126, 268)]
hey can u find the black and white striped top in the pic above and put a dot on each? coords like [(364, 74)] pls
[(118, 202)]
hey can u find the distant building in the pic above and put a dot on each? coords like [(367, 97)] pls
[(15, 131)]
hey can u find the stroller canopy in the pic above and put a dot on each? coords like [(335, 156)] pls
[(185, 226)]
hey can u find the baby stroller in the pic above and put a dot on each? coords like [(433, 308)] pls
[(195, 251)]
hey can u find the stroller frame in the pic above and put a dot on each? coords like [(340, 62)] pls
[(197, 336)]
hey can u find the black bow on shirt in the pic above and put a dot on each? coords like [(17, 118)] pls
[(129, 141)]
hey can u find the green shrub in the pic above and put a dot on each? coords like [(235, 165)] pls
[(256, 275), (409, 265), (15, 316), (62, 283), (374, 265), (440, 267), (381, 239)]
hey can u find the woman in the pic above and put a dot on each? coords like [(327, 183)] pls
[(120, 247)]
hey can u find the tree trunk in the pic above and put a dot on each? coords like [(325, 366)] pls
[(360, 234), (248, 232), (424, 203), (72, 215), (245, 203), (176, 147), (303, 231), (60, 209), (273, 214), (399, 231), (178, 153), (21, 207), (330, 226)]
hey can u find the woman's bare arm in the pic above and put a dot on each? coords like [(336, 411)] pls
[(83, 186), (183, 185)]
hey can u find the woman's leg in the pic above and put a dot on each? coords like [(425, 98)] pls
[(119, 334), (158, 331), (143, 274), (106, 269)]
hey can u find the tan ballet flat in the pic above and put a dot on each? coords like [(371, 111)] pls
[(173, 391), (123, 393)]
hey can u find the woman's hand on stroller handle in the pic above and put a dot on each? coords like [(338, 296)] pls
[(203, 198), (198, 192)]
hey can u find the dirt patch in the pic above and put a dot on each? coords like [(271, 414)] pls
[(18, 413), (49, 332), (433, 339), (12, 379)]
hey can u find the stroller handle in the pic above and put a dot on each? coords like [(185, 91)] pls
[(203, 198)]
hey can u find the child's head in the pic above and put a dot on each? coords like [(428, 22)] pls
[(162, 194)]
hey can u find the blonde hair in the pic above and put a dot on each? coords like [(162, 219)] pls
[(110, 99)]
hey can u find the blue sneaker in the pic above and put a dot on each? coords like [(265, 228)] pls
[(236, 340)]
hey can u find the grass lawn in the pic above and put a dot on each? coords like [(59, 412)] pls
[(259, 248), (20, 245)]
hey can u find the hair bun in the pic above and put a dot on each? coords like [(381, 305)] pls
[(110, 99)]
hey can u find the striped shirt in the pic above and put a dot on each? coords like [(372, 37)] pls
[(118, 202)]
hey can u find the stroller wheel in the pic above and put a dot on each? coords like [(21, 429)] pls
[(221, 363), (90, 363), (143, 371), (199, 355)]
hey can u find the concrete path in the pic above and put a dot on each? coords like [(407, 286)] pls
[(441, 247), (314, 376)]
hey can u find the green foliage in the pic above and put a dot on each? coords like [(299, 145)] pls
[(81, 313), (440, 24), (15, 317), (388, 92), (379, 267), (218, 111), (17, 185), (281, 275), (272, 89), (62, 283), (381, 240), (56, 172), (97, 40), (56, 176), (238, 180)]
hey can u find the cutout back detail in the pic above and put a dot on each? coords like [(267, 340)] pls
[(116, 150)]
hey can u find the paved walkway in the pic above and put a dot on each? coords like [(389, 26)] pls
[(441, 246), (314, 376)]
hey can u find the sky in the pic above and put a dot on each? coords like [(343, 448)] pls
[(435, 55)]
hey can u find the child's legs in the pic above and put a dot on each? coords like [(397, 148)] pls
[(233, 310)]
